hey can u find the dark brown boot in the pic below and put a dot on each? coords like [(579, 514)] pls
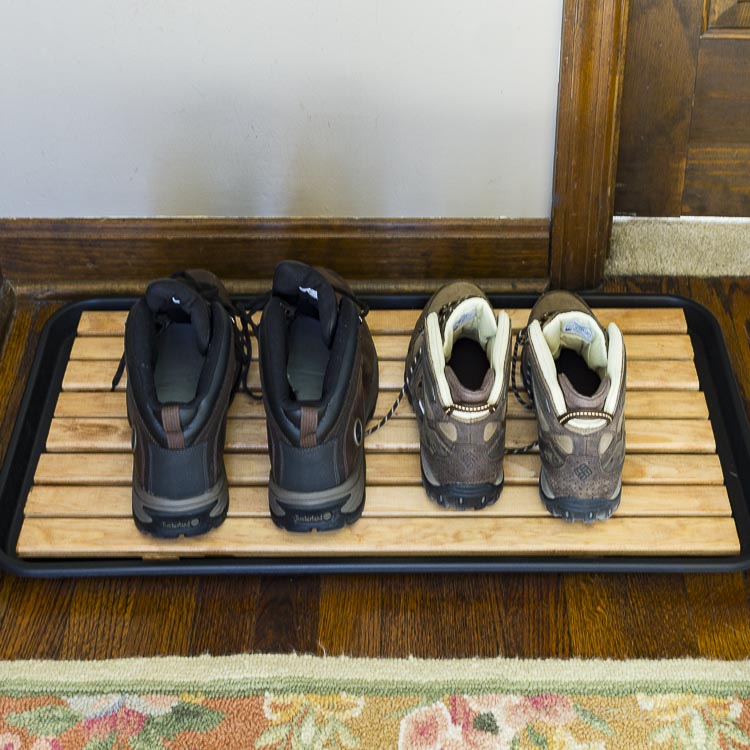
[(183, 355), (319, 373)]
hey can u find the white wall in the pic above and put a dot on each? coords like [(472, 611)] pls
[(278, 107)]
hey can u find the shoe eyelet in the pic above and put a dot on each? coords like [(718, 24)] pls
[(358, 432)]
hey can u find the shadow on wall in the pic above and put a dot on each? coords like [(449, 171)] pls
[(279, 159), (241, 166)]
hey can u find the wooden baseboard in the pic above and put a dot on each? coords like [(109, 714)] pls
[(107, 256)]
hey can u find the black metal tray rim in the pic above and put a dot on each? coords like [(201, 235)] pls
[(35, 412)]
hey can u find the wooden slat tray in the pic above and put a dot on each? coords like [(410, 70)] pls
[(75, 516)]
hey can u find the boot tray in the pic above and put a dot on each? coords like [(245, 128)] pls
[(66, 484)]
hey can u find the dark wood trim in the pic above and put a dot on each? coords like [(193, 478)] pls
[(716, 33), (661, 64), (588, 125), (90, 256), (7, 310)]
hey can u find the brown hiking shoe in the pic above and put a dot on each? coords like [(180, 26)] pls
[(319, 372), (456, 379), (574, 371)]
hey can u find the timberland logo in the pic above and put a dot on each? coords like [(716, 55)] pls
[(312, 517), (583, 472), (193, 522)]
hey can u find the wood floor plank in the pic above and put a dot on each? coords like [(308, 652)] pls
[(350, 614), (651, 596), (666, 374), (114, 537), (719, 635), (386, 469), (50, 501), (521, 615), (629, 320), (637, 346), (597, 611), (638, 405), (97, 435)]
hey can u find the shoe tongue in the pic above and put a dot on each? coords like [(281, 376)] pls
[(469, 314), (307, 289), (181, 303), (463, 395), (575, 400)]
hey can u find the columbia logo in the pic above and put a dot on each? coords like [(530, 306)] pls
[(583, 472)]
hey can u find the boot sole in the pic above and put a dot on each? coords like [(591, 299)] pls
[(324, 510), (463, 496), (587, 510), (168, 519)]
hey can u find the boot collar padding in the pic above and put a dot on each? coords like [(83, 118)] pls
[(473, 318), (580, 332)]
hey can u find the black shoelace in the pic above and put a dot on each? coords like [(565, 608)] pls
[(443, 315)]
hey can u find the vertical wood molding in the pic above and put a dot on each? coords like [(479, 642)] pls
[(588, 125)]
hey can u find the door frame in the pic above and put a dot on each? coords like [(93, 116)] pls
[(592, 61)]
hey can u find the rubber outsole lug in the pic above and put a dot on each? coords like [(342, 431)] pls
[(326, 518), (576, 509), (462, 496), (173, 526)]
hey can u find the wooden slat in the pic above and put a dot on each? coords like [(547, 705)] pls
[(71, 435), (92, 348), (629, 320), (673, 494), (391, 469), (115, 537), (637, 346), (48, 501), (641, 375), (638, 405)]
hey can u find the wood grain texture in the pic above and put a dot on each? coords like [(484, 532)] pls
[(76, 511), (672, 374), (717, 177), (657, 99), (386, 537), (385, 469), (111, 256), (629, 320), (113, 434), (728, 14), (597, 610), (660, 346), (661, 616), (639, 405), (721, 111), (54, 501), (717, 180), (588, 125), (517, 615)]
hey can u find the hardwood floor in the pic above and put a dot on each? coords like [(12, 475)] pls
[(597, 615)]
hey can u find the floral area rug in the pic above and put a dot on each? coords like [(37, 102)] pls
[(262, 701)]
